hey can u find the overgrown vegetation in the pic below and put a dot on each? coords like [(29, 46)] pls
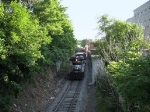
[(107, 97), (127, 68), (83, 42), (30, 42)]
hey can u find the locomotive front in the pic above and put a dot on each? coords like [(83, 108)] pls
[(78, 67)]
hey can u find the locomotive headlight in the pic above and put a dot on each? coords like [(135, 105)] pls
[(76, 60)]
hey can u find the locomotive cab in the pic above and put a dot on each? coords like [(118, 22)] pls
[(82, 56)]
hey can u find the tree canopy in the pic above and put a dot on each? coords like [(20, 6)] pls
[(31, 41), (128, 69)]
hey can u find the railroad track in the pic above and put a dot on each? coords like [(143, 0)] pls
[(69, 99)]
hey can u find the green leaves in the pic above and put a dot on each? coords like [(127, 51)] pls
[(52, 16), (31, 41), (121, 47), (21, 38)]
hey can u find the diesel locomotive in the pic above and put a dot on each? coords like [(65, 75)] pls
[(77, 65)]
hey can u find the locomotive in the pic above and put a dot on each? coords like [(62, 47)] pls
[(77, 65)]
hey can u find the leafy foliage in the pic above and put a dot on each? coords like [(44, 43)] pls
[(30, 42), (52, 16), (107, 96), (20, 42), (83, 42), (131, 77), (121, 47)]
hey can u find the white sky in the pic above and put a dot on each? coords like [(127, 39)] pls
[(84, 13)]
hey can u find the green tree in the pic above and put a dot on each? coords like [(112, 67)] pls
[(31, 42), (128, 69), (79, 42), (117, 36), (131, 77), (21, 38), (83, 42), (52, 16)]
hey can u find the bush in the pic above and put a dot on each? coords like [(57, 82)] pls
[(107, 97)]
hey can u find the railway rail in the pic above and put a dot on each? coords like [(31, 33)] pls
[(71, 96), (69, 99)]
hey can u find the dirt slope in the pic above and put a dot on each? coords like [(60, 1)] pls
[(38, 94)]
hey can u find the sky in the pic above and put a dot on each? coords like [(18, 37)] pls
[(84, 14)]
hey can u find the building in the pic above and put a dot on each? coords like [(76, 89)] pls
[(142, 16), (89, 45)]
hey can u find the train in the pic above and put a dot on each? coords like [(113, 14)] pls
[(77, 65)]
